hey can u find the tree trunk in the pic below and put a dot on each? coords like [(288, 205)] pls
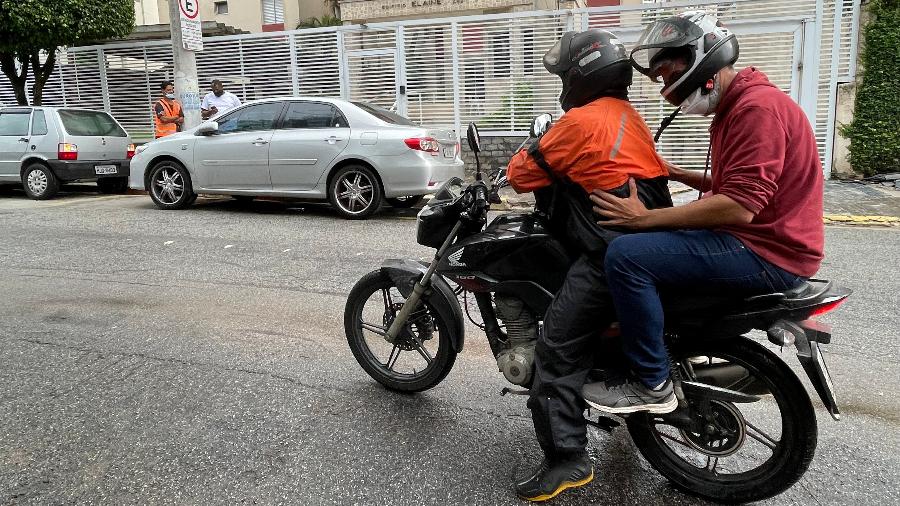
[(17, 79), (41, 73)]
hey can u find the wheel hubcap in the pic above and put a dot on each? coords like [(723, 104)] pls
[(168, 186), (723, 433), (354, 192), (37, 182)]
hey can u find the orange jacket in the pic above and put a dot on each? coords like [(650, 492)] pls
[(169, 108), (599, 145)]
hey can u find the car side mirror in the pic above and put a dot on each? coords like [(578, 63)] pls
[(540, 125), (207, 128), (473, 138)]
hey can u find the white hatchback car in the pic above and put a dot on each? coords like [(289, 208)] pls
[(352, 154)]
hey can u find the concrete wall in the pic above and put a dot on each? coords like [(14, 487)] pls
[(495, 153), (844, 107)]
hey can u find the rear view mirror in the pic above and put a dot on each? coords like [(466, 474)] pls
[(207, 128), (473, 138), (540, 125)]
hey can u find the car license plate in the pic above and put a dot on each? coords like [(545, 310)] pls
[(105, 169), (448, 152)]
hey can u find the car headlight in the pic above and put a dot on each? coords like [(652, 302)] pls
[(140, 149)]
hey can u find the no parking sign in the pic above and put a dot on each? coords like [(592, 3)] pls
[(191, 33)]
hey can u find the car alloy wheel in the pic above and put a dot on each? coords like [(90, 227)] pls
[(168, 185), (354, 192)]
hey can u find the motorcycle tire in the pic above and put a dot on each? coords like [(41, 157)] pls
[(435, 371), (791, 456)]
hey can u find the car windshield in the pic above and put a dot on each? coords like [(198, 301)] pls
[(90, 123), (384, 115)]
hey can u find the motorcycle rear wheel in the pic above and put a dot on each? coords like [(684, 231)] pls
[(678, 454), (429, 354)]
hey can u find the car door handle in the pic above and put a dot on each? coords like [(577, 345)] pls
[(260, 142), (23, 139), (333, 139)]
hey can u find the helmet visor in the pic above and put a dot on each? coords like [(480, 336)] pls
[(556, 60), (667, 33)]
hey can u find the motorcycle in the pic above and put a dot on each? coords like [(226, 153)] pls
[(745, 428)]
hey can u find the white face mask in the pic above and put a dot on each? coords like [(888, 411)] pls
[(170, 96), (701, 103)]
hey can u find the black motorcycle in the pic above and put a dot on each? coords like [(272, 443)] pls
[(744, 429)]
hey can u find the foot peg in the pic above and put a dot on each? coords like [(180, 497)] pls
[(512, 391)]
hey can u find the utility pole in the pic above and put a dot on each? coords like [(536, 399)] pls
[(186, 86)]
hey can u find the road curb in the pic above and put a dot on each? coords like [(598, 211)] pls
[(862, 220)]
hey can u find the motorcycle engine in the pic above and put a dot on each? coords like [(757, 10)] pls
[(516, 361)]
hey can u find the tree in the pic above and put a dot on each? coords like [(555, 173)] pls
[(29, 28), (315, 22)]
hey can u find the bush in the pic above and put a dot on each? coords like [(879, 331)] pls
[(875, 131)]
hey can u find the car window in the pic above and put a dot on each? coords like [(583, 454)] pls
[(14, 123), (313, 115), (250, 118), (39, 124), (90, 123), (384, 114)]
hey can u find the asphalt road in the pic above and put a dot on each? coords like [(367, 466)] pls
[(198, 357)]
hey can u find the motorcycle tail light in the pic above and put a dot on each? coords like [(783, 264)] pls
[(826, 308), (130, 153)]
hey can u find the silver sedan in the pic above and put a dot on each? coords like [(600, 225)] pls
[(353, 154)]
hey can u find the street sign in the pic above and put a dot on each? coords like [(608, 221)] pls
[(191, 33)]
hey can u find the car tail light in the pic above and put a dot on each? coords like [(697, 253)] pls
[(458, 148), (827, 307), (130, 153), (426, 144), (67, 151)]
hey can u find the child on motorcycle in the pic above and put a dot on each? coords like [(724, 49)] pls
[(598, 144)]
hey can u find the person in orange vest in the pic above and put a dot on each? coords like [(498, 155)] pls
[(167, 112)]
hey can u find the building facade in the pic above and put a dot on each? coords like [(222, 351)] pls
[(252, 16), (370, 11)]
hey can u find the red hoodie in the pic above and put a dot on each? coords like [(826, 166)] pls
[(764, 157)]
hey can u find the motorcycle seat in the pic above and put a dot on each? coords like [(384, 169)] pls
[(798, 296)]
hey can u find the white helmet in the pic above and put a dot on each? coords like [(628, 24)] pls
[(694, 36)]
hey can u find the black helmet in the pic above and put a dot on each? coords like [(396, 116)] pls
[(591, 64), (697, 38)]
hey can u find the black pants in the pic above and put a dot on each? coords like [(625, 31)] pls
[(579, 313)]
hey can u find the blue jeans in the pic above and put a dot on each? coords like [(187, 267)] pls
[(638, 265)]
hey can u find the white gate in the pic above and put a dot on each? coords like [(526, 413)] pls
[(448, 72)]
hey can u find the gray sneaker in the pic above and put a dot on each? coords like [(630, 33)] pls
[(629, 396)]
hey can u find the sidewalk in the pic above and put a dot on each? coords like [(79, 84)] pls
[(846, 203)]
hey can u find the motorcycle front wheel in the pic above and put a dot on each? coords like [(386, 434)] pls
[(736, 452), (419, 357)]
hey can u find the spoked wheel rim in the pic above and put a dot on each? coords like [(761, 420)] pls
[(414, 353), (37, 182), (168, 185), (741, 441), (354, 192)]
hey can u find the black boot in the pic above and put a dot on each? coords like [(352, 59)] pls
[(554, 476)]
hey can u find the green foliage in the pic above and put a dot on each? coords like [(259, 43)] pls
[(875, 131), (48, 24), (29, 27), (315, 22), (515, 109)]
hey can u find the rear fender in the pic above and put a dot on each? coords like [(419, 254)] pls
[(405, 274)]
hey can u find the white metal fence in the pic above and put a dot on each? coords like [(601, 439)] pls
[(447, 72)]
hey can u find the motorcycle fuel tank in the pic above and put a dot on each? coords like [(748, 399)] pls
[(513, 247)]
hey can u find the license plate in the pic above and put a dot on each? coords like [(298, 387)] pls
[(448, 152), (106, 169)]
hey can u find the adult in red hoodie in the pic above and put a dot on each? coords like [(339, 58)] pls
[(757, 229)]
